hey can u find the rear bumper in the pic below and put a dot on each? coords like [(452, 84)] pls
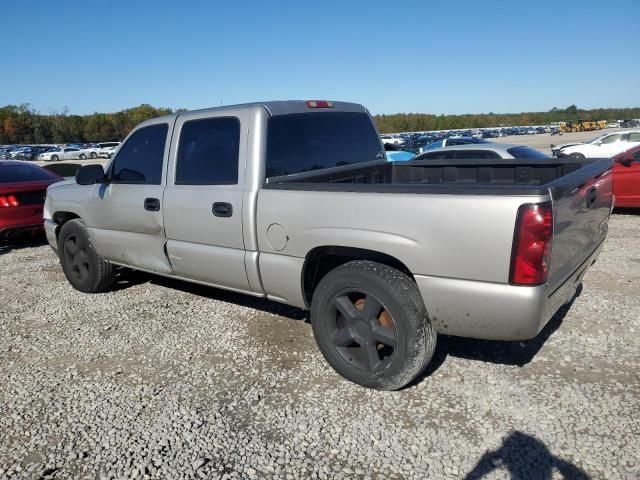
[(11, 233), (50, 228), (494, 311), (20, 220)]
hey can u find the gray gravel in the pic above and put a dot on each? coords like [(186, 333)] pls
[(161, 379)]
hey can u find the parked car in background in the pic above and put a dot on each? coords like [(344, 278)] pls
[(23, 189), (626, 178), (447, 142), (64, 153), (393, 139), (97, 150), (108, 149), (602, 146), (399, 155), (486, 151)]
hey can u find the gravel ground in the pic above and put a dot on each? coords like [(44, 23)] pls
[(161, 379)]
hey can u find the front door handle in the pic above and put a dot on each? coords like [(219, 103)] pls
[(222, 209), (152, 204)]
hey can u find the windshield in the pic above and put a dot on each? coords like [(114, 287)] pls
[(303, 142), (599, 137)]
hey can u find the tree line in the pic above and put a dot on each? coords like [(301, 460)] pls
[(418, 122), (22, 124)]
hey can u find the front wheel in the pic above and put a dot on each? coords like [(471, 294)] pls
[(54, 158), (83, 156), (93, 155), (370, 323), (576, 155), (85, 270)]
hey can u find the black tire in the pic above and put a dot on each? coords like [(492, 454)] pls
[(55, 158), (576, 155), (396, 338), (85, 270), (82, 156), (93, 155)]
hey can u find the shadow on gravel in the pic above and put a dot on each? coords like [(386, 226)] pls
[(23, 242), (493, 351), (128, 278), (525, 457)]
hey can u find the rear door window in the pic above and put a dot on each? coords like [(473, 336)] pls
[(305, 142), (634, 137), (208, 152), (141, 157), (477, 155)]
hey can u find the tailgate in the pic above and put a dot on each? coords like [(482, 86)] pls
[(581, 206)]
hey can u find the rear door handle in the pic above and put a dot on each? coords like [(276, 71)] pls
[(222, 209), (152, 204)]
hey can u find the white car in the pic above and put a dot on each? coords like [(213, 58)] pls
[(604, 146), (99, 150), (392, 139), (108, 152), (63, 153)]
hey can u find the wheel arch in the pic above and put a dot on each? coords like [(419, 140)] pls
[(62, 217), (321, 260)]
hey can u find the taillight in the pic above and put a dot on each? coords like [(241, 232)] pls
[(531, 252), (319, 104), (9, 201)]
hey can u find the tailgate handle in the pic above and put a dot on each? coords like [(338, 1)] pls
[(592, 196)]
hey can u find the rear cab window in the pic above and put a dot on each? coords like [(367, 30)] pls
[(305, 142), (526, 152)]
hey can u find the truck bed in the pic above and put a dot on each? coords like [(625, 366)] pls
[(477, 177)]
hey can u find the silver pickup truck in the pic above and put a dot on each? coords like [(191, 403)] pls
[(294, 201)]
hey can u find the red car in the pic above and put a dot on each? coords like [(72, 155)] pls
[(23, 187), (626, 178)]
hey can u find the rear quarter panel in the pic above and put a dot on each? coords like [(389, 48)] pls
[(454, 236)]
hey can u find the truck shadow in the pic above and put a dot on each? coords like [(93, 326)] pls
[(524, 456), (499, 352), (493, 351), (128, 278)]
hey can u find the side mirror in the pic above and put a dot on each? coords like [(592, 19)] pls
[(90, 175), (626, 161)]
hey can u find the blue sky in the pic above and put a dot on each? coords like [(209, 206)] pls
[(412, 56)]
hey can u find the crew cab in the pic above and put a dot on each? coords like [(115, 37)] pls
[(295, 201)]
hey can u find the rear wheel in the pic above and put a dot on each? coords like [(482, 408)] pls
[(370, 324), (85, 270), (93, 155)]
